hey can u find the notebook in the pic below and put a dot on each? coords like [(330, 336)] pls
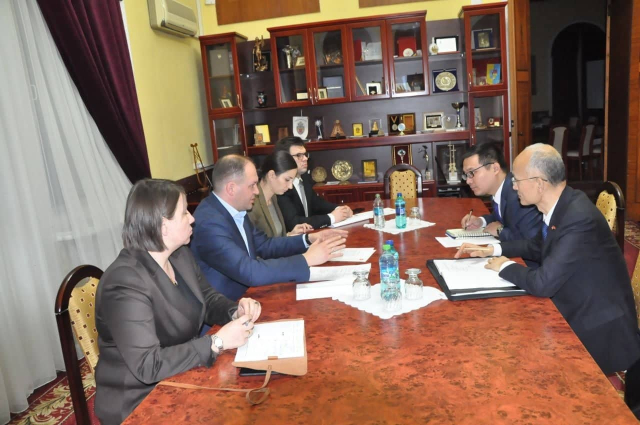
[(461, 233)]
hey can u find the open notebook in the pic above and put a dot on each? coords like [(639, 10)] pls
[(468, 279), (461, 233)]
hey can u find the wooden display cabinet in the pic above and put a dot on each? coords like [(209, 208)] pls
[(220, 65), (494, 123), (227, 135), (407, 50), (356, 192), (369, 64)]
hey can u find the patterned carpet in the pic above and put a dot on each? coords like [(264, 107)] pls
[(51, 404)]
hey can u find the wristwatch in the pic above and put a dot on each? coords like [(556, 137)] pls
[(217, 341), (307, 239), (499, 229)]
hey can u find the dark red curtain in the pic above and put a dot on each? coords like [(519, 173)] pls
[(91, 38)]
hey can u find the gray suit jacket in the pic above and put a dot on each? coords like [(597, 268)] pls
[(147, 330), (261, 218)]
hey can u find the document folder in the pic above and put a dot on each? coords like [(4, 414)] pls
[(454, 293)]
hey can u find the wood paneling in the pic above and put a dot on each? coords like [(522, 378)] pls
[(633, 171), (233, 11), (371, 3), (520, 52)]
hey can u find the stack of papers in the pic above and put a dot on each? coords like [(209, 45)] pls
[(367, 215), (335, 272), (469, 276), (329, 282), (390, 226), (283, 340), (355, 255), (448, 242)]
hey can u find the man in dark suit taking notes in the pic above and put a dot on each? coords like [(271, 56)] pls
[(302, 204), (581, 268)]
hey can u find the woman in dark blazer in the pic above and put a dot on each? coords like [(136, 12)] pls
[(152, 301), (276, 177)]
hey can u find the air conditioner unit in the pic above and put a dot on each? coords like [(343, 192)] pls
[(177, 17)]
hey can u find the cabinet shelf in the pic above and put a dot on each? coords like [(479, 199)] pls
[(367, 142), (330, 66), (407, 59), (217, 77), (369, 62), (288, 70), (451, 56)]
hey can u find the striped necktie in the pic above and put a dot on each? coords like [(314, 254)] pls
[(545, 230)]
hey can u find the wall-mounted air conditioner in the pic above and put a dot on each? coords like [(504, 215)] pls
[(177, 17)]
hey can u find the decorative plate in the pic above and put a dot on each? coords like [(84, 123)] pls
[(342, 170), (445, 81), (408, 52), (319, 174)]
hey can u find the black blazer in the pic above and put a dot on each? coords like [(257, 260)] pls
[(584, 273), (148, 331), (520, 222), (293, 210)]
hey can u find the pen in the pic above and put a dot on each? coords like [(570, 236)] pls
[(468, 249), (467, 222)]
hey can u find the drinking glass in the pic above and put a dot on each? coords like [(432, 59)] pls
[(413, 285), (392, 298), (414, 217), (361, 286)]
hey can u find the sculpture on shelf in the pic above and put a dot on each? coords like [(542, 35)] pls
[(425, 154), (201, 173), (453, 170), (292, 53), (337, 132), (259, 61)]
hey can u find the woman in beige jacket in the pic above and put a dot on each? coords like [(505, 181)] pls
[(276, 177)]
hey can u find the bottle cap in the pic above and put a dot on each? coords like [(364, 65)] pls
[(399, 194), (386, 247), (389, 242)]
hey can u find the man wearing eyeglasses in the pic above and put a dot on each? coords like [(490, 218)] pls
[(301, 204), (485, 171), (582, 268)]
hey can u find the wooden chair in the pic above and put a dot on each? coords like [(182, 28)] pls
[(559, 139), (404, 178), (635, 287), (611, 204), (584, 149), (75, 309), (596, 153)]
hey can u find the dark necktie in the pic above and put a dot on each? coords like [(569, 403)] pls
[(303, 197), (496, 210), (545, 230)]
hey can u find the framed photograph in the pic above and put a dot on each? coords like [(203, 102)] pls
[(393, 120), (433, 120), (264, 130), (401, 154), (493, 73), (415, 82), (302, 95), (357, 129), (478, 118), (334, 86), (258, 139), (322, 93), (374, 88), (447, 44), (283, 131), (409, 121), (370, 170), (226, 103), (482, 39), (299, 62)]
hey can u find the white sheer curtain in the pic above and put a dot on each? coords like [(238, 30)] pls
[(62, 193)]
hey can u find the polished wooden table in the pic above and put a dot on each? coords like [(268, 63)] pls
[(493, 361)]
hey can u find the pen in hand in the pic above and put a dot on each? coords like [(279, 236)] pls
[(466, 223)]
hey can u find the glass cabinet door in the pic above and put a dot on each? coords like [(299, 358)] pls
[(408, 50), (490, 117), (291, 65), (370, 77), (329, 62), (220, 72), (228, 136), (485, 59)]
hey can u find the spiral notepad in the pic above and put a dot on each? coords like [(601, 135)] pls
[(461, 233)]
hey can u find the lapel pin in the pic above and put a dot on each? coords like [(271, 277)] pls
[(553, 227)]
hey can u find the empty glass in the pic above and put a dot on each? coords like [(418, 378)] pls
[(414, 217), (361, 286), (413, 285), (392, 298)]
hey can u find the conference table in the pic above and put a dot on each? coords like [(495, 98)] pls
[(492, 361)]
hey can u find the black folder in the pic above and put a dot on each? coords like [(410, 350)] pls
[(470, 294)]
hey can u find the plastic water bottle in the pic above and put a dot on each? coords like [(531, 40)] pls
[(378, 213), (395, 254), (388, 272), (401, 212)]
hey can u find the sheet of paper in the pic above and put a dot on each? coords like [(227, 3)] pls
[(390, 226), (355, 255), (470, 273), (277, 339), (335, 272), (329, 289), (448, 242), (367, 215)]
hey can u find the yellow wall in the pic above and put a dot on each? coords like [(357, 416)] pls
[(329, 10), (168, 75)]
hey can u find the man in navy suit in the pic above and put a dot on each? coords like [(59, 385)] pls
[(485, 170), (301, 204), (581, 268), (233, 254)]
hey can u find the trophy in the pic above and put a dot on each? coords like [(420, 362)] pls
[(453, 171), (457, 106), (425, 155), (401, 154), (337, 132)]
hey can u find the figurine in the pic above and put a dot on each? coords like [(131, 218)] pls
[(453, 170), (259, 61), (337, 132), (292, 53), (425, 154), (319, 130)]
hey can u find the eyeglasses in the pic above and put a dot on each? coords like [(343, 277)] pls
[(471, 173), (302, 155), (515, 181)]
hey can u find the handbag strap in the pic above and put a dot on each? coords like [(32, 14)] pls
[(262, 392)]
